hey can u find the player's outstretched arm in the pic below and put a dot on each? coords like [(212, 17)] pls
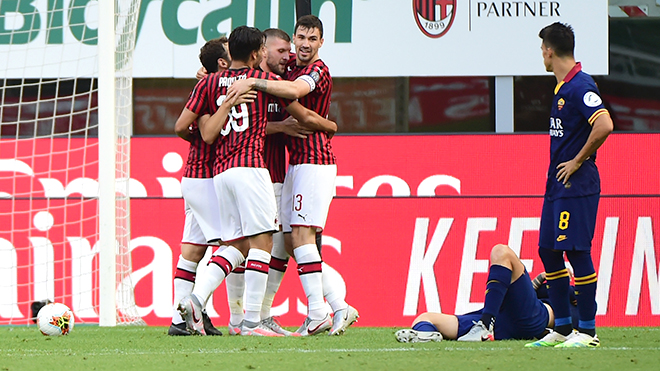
[(182, 125), (285, 89), (600, 130), (311, 119)]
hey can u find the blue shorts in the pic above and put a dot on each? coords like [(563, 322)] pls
[(568, 223), (522, 315)]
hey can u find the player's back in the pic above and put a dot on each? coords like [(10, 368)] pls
[(241, 140)]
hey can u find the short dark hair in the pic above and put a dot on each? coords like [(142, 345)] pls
[(211, 51), (243, 41), (276, 32), (559, 37), (309, 22)]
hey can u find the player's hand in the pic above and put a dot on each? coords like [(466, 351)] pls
[(234, 99), (292, 127), (538, 281), (201, 73), (241, 87), (248, 97), (566, 169)]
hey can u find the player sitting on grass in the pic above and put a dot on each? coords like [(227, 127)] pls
[(512, 308)]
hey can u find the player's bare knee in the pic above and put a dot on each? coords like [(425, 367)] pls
[(501, 254), (193, 253), (303, 236), (424, 317), (242, 245)]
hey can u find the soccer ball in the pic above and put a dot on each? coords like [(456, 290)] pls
[(55, 319)]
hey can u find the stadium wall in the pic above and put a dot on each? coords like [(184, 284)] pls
[(409, 231)]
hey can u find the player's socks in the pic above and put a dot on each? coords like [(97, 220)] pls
[(310, 272), (235, 283), (219, 267), (256, 277), (588, 327), (276, 270), (319, 243), (585, 290), (424, 326), (333, 290), (184, 281), (563, 326), (278, 264), (558, 285), (499, 279)]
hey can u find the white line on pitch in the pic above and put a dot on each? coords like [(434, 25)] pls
[(37, 353)]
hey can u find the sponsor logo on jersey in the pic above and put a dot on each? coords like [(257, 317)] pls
[(560, 103), (561, 237), (273, 108), (556, 128), (434, 17), (592, 99)]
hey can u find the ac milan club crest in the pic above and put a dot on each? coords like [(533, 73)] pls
[(434, 17)]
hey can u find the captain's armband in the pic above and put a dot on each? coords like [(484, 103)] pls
[(309, 80)]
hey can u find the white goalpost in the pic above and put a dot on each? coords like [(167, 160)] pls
[(65, 128), (117, 29)]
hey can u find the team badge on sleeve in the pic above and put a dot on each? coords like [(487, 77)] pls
[(315, 75), (592, 99)]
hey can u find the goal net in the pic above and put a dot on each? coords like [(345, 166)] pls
[(65, 126)]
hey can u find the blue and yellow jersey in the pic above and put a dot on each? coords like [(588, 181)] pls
[(575, 107)]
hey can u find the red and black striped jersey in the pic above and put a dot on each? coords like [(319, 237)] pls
[(201, 156), (275, 146), (241, 139), (316, 148)]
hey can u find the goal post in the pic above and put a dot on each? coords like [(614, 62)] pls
[(65, 129), (107, 166), (116, 43)]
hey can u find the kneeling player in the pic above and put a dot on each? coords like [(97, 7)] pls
[(512, 308)]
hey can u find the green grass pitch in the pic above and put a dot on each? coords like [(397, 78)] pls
[(149, 348)]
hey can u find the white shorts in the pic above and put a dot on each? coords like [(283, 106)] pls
[(202, 205), (277, 188), (306, 195), (192, 233), (247, 199)]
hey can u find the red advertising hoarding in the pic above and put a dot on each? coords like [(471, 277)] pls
[(409, 231)]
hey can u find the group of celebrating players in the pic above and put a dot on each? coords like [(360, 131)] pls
[(240, 195), (238, 191)]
